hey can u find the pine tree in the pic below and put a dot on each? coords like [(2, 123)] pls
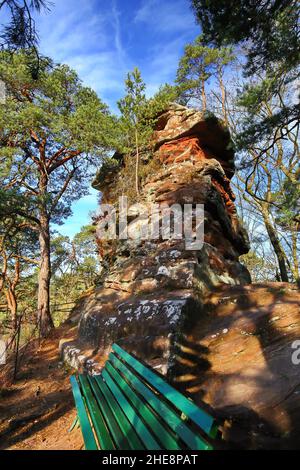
[(19, 33), (269, 35), (133, 108), (54, 131), (198, 64)]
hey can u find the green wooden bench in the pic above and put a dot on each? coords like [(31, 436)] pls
[(129, 406)]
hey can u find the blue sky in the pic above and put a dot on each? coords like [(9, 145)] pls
[(104, 39)]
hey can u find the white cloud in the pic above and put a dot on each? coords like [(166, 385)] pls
[(76, 34), (165, 17), (64, 31), (117, 36), (100, 41)]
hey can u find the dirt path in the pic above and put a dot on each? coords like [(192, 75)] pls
[(37, 410)]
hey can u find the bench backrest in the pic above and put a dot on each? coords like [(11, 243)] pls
[(131, 400), (153, 387)]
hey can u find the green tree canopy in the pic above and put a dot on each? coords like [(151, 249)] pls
[(272, 27), (53, 132), (19, 32), (19, 29), (269, 35), (132, 121), (199, 63)]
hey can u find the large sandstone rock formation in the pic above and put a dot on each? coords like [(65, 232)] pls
[(152, 285), (190, 313)]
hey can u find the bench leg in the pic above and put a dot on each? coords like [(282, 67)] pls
[(75, 422)]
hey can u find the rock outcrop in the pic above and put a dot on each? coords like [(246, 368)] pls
[(152, 285), (168, 304)]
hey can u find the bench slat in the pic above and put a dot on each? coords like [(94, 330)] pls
[(126, 428), (167, 414), (198, 416), (120, 440), (100, 427), (146, 437), (165, 437), (87, 433)]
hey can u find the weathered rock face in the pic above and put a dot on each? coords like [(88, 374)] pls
[(150, 285), (183, 135)]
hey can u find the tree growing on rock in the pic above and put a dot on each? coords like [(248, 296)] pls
[(54, 131), (198, 64), (132, 121), (138, 117)]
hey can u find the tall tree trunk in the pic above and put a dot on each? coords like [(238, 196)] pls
[(203, 94), (44, 317), (276, 244), (295, 254), (4, 270), (137, 186), (11, 294), (223, 94)]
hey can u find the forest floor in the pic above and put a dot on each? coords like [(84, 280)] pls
[(37, 409)]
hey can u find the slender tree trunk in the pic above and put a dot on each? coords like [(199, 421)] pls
[(44, 316), (276, 245), (137, 186), (295, 254), (223, 95), (17, 343), (4, 270), (13, 307), (203, 94), (11, 294)]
